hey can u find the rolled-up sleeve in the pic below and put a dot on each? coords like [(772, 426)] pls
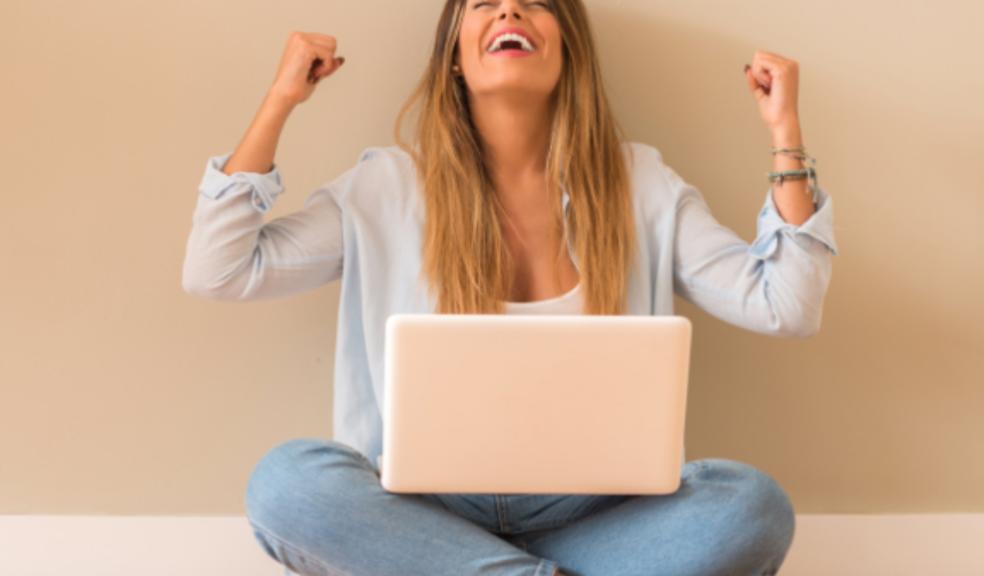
[(775, 285), (232, 254)]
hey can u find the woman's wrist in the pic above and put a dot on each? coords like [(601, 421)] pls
[(787, 136)]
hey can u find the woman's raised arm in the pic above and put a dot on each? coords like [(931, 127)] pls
[(231, 253), (775, 285)]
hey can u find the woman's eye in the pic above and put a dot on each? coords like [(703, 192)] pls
[(542, 4)]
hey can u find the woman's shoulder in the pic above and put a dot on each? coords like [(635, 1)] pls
[(655, 184), (390, 159), (641, 156), (392, 154), (378, 169)]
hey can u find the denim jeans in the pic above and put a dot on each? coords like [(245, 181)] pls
[(317, 507)]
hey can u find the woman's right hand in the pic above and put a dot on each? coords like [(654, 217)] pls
[(308, 57)]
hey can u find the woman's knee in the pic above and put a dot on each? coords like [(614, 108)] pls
[(298, 474), (759, 507)]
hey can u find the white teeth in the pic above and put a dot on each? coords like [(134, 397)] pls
[(496, 46)]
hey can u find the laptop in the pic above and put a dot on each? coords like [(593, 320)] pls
[(534, 404)]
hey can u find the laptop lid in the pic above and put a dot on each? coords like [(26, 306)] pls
[(490, 403)]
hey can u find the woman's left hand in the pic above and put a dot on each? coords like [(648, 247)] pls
[(774, 81)]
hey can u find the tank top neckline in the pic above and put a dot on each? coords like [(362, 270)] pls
[(546, 301)]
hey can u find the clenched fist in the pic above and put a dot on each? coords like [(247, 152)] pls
[(774, 81), (307, 58)]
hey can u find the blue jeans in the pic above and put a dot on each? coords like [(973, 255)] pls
[(317, 507)]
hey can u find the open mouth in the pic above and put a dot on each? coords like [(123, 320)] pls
[(511, 41)]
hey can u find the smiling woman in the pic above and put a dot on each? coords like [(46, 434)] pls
[(502, 143), (517, 188)]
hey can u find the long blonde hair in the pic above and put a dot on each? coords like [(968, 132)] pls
[(465, 256)]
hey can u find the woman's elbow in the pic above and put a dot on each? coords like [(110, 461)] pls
[(196, 283), (803, 330), (799, 322)]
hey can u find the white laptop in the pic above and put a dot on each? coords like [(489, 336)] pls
[(494, 403)]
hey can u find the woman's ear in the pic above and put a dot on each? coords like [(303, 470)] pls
[(456, 60)]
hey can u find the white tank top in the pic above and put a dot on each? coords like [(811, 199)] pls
[(569, 303)]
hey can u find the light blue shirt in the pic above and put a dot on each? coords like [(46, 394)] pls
[(368, 223)]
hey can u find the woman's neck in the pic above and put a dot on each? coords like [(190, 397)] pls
[(515, 134)]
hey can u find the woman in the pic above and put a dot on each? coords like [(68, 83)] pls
[(517, 196)]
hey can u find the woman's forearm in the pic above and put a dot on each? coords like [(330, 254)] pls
[(792, 198), (258, 147)]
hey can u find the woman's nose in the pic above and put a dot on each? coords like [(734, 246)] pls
[(507, 10)]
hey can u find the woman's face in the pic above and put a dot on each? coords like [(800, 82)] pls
[(515, 69)]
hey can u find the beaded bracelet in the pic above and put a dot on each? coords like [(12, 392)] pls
[(808, 172), (792, 175)]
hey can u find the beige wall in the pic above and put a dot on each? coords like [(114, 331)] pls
[(123, 395)]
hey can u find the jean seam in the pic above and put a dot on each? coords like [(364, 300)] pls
[(502, 512), (269, 534)]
